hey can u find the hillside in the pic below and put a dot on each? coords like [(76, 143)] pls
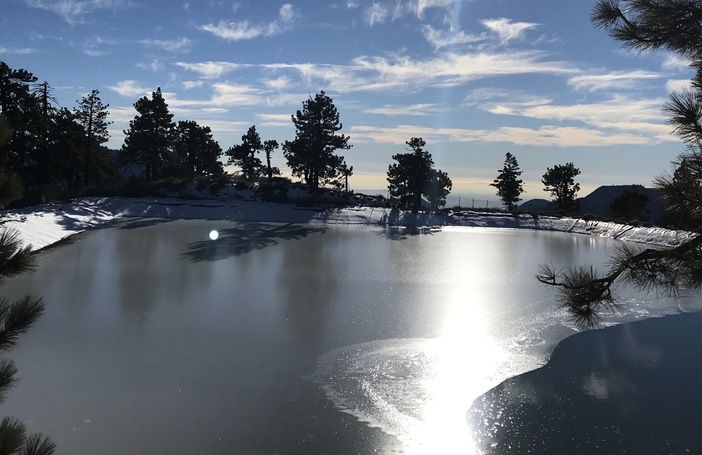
[(597, 203)]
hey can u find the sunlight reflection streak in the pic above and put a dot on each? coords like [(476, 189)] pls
[(467, 364)]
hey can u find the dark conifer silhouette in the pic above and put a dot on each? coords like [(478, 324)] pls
[(414, 176), (244, 155), (92, 114), (196, 152), (148, 140), (311, 155), (509, 185), (560, 182), (630, 205)]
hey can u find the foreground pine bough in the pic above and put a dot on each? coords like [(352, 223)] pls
[(643, 25)]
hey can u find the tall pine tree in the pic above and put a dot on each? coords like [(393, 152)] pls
[(311, 155), (244, 155), (92, 114), (21, 110), (148, 141), (509, 185), (559, 180), (414, 176), (197, 153), (268, 147)]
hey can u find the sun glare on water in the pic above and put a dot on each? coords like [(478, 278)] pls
[(464, 359)]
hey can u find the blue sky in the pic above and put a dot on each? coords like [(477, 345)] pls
[(474, 78)]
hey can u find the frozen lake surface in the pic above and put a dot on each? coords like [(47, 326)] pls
[(288, 338)]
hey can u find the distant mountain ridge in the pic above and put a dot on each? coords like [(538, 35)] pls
[(598, 202)]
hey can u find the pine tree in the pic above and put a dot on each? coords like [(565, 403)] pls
[(69, 151), (268, 147), (43, 172), (197, 153), (244, 155), (673, 26), (630, 204), (399, 180), (11, 187), (560, 182), (311, 155), (438, 187), (5, 130), (92, 114), (148, 140), (509, 185), (345, 171), (414, 176), (23, 114)]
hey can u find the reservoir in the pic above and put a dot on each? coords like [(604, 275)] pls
[(161, 337)]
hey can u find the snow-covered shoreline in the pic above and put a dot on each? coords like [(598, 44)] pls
[(41, 226)]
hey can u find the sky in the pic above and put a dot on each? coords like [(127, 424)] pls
[(474, 78)]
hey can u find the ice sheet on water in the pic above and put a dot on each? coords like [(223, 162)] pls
[(417, 389), (410, 387), (382, 382)]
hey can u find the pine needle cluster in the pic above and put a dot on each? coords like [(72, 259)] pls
[(649, 25)]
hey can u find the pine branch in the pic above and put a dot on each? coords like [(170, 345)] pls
[(38, 444), (685, 111), (584, 293), (16, 317), (8, 378), (15, 259), (12, 436)]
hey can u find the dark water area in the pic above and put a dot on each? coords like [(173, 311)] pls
[(286, 338), (633, 388)]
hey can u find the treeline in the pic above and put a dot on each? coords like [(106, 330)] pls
[(48, 151), (45, 148)]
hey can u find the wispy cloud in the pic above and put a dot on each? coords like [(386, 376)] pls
[(244, 30), (276, 120), (546, 136), (97, 46), (400, 73), (639, 117), (612, 80), (174, 45), (507, 30), (420, 6), (445, 38), (380, 10), (674, 62), (16, 50), (210, 70), (226, 94), (76, 11), (376, 14), (414, 109), (280, 83), (154, 65), (678, 85), (193, 84), (129, 88)]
